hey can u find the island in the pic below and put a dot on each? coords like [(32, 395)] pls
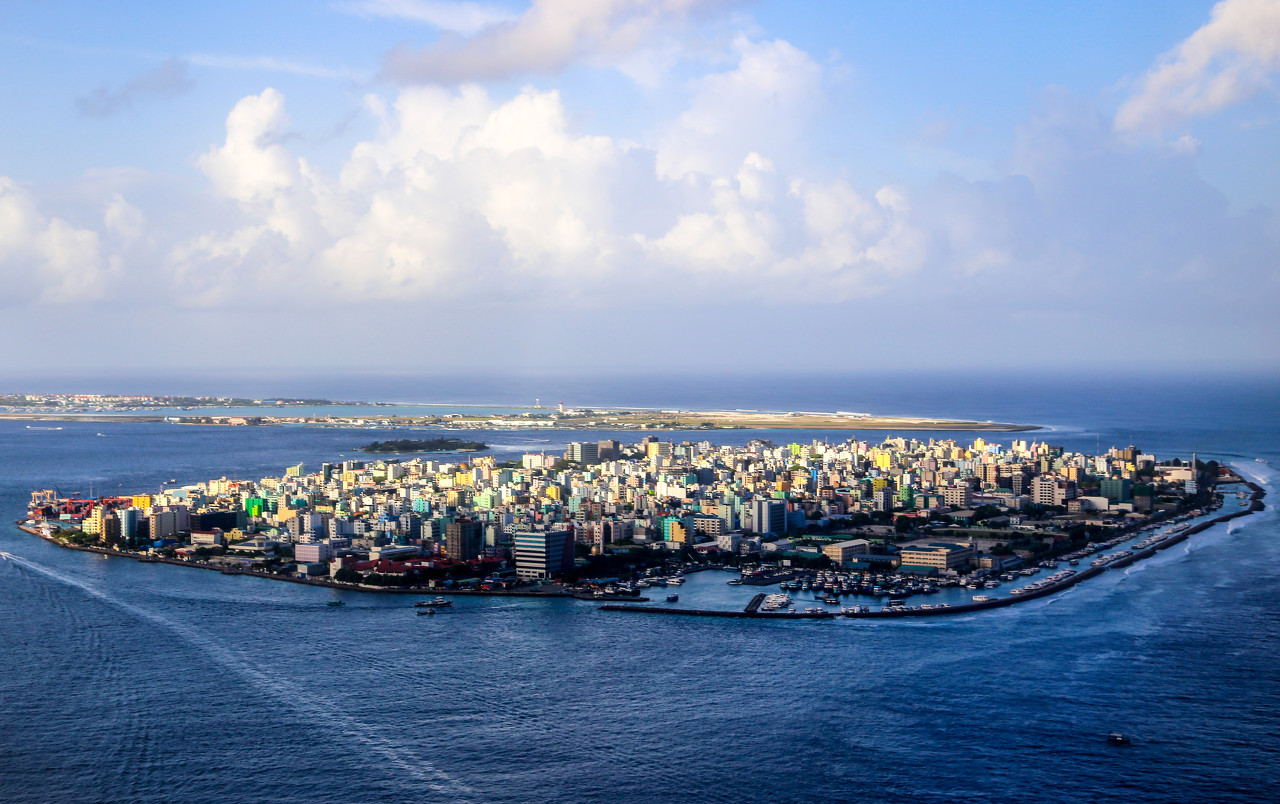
[(910, 527), (272, 412), (407, 445)]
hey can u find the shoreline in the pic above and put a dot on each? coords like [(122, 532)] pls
[(750, 613), (324, 582)]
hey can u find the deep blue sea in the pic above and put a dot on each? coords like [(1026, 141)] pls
[(128, 682)]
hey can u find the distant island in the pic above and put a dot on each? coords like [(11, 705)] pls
[(428, 445)]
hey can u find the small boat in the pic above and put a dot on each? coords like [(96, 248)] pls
[(672, 598), (335, 603), (1117, 738), (438, 603), (425, 612), (981, 598)]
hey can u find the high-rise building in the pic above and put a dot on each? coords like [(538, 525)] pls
[(583, 453), (129, 518), (768, 516), (543, 554), (463, 539), (1116, 489)]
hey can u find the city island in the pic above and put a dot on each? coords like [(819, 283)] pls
[(854, 529)]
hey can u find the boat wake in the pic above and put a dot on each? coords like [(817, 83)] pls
[(322, 712)]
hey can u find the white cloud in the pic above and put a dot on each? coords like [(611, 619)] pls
[(123, 219), (763, 105), (465, 196), (1228, 60), (465, 18), (47, 260), (546, 38)]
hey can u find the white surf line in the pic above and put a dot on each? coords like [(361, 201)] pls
[(398, 756)]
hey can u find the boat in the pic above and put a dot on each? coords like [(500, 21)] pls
[(438, 603), (335, 603), (426, 611), (29, 427), (981, 598), (1117, 738), (672, 598)]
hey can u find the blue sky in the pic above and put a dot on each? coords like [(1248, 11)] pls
[(643, 183)]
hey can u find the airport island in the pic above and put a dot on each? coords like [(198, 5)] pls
[(274, 412), (852, 528)]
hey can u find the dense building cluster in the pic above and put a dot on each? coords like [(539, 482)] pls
[(397, 521)]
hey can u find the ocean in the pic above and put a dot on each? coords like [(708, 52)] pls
[(128, 682)]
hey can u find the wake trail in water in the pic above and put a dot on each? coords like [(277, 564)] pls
[(403, 759)]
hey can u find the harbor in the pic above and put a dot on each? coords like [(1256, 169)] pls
[(1048, 578)]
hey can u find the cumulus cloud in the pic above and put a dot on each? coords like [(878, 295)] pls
[(764, 104), (1228, 60), (462, 195), (464, 18), (168, 80), (47, 260), (546, 38)]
